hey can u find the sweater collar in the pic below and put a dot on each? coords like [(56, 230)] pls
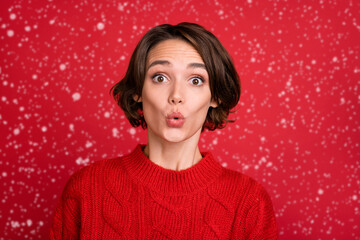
[(168, 181)]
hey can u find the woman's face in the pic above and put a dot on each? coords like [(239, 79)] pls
[(176, 93)]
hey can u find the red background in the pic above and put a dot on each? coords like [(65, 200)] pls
[(297, 125)]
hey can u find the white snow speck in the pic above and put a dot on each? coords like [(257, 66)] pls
[(27, 28), (269, 164), (16, 131), (29, 222), (71, 127), (88, 144), (320, 191), (76, 96), (100, 26), (34, 76), (15, 224), (4, 174), (62, 67), (12, 16), (121, 7), (43, 128), (342, 101), (10, 33), (115, 132), (106, 114), (132, 131), (354, 197), (81, 161)]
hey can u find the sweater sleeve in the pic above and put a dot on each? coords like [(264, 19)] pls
[(260, 223), (66, 222)]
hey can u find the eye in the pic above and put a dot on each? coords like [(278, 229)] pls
[(159, 78), (197, 81)]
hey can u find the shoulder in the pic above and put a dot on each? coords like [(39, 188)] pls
[(236, 190), (236, 181), (250, 203), (88, 178)]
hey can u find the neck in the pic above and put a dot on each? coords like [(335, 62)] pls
[(173, 155)]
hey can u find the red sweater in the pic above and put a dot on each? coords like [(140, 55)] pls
[(132, 198)]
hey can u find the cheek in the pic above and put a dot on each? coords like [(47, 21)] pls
[(201, 102), (152, 101), (199, 111)]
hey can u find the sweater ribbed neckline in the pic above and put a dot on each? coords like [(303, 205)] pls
[(170, 181)]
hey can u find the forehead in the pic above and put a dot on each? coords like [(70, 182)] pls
[(174, 50)]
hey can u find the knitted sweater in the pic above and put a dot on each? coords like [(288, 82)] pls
[(132, 198)]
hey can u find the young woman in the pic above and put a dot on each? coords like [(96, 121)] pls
[(180, 80)]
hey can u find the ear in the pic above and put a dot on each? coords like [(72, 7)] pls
[(213, 103), (137, 98)]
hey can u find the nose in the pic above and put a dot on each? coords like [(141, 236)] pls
[(175, 100), (175, 96)]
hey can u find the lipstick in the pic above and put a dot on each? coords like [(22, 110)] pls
[(175, 120)]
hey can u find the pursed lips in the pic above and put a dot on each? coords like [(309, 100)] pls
[(175, 119)]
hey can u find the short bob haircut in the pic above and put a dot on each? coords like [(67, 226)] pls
[(223, 78)]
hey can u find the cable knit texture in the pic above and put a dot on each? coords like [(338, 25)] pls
[(132, 198)]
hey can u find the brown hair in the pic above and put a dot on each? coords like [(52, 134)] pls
[(224, 80)]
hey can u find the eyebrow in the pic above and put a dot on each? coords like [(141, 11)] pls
[(165, 62)]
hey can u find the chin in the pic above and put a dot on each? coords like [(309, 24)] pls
[(178, 135), (174, 137)]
